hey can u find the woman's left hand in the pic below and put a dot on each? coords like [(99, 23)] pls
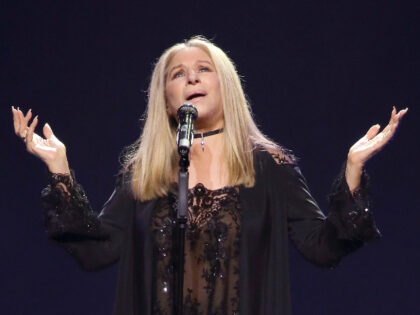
[(370, 144)]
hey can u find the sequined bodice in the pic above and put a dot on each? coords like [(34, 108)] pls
[(211, 278)]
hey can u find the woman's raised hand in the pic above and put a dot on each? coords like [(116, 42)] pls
[(370, 144), (49, 149)]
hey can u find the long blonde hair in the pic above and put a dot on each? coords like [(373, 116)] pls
[(152, 158)]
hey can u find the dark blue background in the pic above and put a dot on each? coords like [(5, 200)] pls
[(318, 73)]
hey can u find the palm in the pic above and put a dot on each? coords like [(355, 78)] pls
[(373, 141), (48, 148)]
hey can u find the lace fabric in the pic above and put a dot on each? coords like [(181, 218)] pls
[(211, 279), (283, 156), (355, 218), (67, 210), (212, 238)]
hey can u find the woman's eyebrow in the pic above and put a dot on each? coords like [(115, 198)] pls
[(180, 65), (205, 61), (174, 67)]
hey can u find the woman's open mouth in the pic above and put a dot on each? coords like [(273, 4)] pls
[(195, 96)]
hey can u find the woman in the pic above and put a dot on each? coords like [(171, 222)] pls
[(246, 197)]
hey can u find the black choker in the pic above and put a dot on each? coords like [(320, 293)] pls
[(207, 134)]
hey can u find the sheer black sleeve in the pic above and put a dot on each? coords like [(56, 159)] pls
[(324, 240), (94, 240), (350, 212)]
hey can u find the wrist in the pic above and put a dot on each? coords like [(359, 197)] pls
[(353, 175), (59, 168), (354, 168)]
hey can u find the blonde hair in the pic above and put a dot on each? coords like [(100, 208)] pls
[(153, 157)]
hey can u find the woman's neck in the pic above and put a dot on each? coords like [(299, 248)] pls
[(200, 127), (207, 146), (208, 163)]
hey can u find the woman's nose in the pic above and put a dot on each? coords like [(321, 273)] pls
[(193, 77)]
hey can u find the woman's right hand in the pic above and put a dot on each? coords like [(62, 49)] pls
[(50, 150)]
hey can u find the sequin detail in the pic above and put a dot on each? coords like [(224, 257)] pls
[(283, 156), (67, 210), (211, 279), (355, 220)]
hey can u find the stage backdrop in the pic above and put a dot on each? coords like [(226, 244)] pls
[(318, 74)]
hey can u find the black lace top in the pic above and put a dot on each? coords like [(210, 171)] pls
[(211, 278), (236, 241)]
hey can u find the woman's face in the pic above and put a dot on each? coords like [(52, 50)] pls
[(191, 77)]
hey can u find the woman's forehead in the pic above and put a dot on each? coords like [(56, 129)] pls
[(189, 55)]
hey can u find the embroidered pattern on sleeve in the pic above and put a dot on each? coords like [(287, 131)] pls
[(66, 208), (283, 156), (353, 209)]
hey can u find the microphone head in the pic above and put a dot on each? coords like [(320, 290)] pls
[(187, 109)]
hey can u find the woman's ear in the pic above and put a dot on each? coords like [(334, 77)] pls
[(168, 111)]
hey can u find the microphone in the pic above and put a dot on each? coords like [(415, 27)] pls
[(187, 113)]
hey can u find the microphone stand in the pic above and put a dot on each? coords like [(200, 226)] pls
[(187, 113), (181, 222)]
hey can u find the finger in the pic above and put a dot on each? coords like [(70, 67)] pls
[(30, 134), (15, 120), (22, 125), (379, 140), (19, 117), (372, 132), (393, 112), (28, 115), (401, 113), (26, 119), (383, 138), (48, 133), (393, 123), (367, 138)]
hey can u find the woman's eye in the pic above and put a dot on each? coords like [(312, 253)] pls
[(204, 69), (178, 74)]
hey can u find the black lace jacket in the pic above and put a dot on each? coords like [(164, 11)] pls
[(278, 207)]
